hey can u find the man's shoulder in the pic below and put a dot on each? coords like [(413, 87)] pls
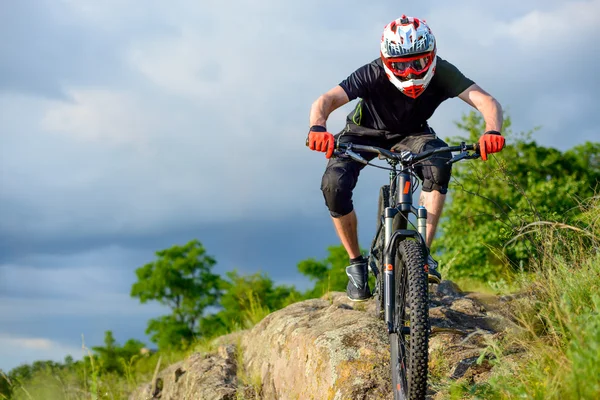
[(377, 67), (450, 78), (443, 65), (377, 63), (371, 73)]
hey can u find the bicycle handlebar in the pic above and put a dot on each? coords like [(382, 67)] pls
[(407, 157)]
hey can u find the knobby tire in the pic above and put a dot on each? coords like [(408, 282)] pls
[(410, 352)]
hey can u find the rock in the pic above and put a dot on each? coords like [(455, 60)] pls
[(448, 288), (331, 348), (319, 349), (207, 377), (461, 328)]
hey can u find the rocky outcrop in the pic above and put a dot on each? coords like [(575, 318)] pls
[(319, 349), (330, 348), (201, 376), (462, 326)]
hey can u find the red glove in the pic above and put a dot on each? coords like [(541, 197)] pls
[(490, 142), (321, 140)]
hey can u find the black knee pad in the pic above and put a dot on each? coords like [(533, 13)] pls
[(337, 184), (436, 171)]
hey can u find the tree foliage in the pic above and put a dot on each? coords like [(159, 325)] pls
[(5, 386), (492, 202), (181, 278), (111, 357), (328, 274), (245, 300)]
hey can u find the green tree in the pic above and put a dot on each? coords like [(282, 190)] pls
[(247, 299), (493, 202), (181, 278), (328, 274), (111, 356), (5, 386), (27, 372)]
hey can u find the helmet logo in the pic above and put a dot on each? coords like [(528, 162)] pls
[(407, 45)]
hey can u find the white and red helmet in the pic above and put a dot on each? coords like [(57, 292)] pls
[(408, 52)]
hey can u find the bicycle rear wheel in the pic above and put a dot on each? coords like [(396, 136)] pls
[(410, 342)]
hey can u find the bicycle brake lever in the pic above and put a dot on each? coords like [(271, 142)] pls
[(463, 156), (356, 157), (457, 157)]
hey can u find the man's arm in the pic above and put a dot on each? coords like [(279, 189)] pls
[(326, 104), (491, 141), (487, 105)]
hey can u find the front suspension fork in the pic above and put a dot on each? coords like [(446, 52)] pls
[(388, 269), (388, 261)]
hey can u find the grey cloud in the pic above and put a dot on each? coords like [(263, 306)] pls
[(523, 71), (16, 350), (250, 245), (69, 332), (40, 54)]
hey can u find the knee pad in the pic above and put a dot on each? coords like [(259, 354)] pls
[(436, 172), (337, 185)]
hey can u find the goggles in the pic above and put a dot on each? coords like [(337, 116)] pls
[(403, 66)]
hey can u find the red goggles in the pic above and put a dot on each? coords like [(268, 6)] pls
[(403, 66)]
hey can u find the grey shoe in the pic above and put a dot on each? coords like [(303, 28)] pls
[(358, 285), (432, 272)]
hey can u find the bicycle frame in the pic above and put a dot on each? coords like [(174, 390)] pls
[(395, 219)]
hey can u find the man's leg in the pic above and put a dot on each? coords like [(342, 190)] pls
[(434, 203), (346, 228), (337, 185)]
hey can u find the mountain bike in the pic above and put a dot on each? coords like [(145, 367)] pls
[(397, 259)]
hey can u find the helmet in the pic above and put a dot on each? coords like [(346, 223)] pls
[(408, 52)]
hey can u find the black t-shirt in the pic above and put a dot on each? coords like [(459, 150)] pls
[(385, 107)]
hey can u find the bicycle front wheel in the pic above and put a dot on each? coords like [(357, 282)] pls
[(410, 342)]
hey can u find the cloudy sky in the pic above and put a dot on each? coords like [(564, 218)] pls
[(128, 126)]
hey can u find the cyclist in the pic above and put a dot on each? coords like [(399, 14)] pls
[(398, 92)]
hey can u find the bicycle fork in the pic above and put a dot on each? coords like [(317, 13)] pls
[(392, 236)]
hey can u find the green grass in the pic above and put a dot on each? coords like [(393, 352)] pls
[(560, 338), (554, 352)]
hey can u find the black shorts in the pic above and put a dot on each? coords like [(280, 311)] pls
[(341, 174)]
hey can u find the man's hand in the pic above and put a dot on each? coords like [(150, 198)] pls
[(321, 140), (490, 142)]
